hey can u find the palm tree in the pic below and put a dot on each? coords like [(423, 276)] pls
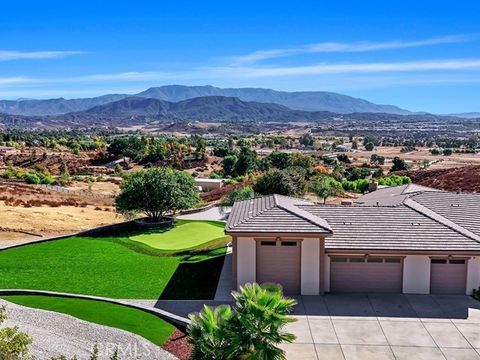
[(251, 330), (261, 314), (208, 333)]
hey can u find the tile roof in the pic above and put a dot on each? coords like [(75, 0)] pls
[(274, 213), (409, 217), (388, 228)]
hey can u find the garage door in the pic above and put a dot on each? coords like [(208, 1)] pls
[(360, 274), (448, 276), (279, 262)]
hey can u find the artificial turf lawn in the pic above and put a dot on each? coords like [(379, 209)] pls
[(184, 235), (139, 322), (111, 267)]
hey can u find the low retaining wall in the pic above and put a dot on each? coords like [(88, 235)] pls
[(176, 320)]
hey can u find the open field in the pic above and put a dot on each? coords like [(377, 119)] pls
[(185, 235), (98, 187), (135, 321), (113, 267), (42, 212), (416, 157)]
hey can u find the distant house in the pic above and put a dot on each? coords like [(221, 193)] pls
[(407, 239), (347, 147), (208, 184)]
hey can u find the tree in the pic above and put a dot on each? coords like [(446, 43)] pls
[(343, 158), (157, 191), (377, 159), (280, 182), (200, 147), (369, 146), (238, 194), (252, 329), (306, 139), (279, 160), (247, 161), (398, 164), (326, 186), (229, 162), (13, 343), (447, 152)]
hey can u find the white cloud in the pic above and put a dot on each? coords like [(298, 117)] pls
[(332, 47), (326, 68), (24, 55)]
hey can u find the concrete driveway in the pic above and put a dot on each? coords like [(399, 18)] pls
[(379, 326)]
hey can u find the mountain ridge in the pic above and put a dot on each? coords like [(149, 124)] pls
[(299, 100)]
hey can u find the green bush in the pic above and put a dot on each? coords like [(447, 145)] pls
[(394, 180)]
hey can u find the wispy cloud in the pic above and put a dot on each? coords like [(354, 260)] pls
[(333, 47), (26, 55), (326, 68)]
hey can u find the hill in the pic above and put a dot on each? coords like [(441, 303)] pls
[(303, 100), (454, 179)]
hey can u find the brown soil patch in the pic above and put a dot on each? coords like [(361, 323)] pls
[(465, 178), (178, 345)]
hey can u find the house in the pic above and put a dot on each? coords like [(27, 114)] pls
[(407, 239), (208, 184)]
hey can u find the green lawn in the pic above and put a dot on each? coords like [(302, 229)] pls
[(114, 267), (135, 321), (185, 235)]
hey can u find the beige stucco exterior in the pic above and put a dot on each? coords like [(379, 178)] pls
[(416, 274), (310, 267), (315, 266), (246, 260), (473, 274)]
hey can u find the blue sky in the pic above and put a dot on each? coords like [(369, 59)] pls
[(420, 55)]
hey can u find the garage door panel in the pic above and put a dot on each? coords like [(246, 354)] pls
[(354, 276), (448, 277), (279, 264)]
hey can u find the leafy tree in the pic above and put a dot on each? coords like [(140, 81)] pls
[(279, 160), (398, 164), (157, 191), (326, 186), (200, 147), (247, 161), (343, 158), (13, 343), (377, 159), (240, 193), (369, 146), (252, 329), (280, 182), (229, 165), (306, 139), (447, 152)]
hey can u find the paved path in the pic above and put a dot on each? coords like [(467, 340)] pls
[(55, 334), (225, 282), (396, 327), (211, 214)]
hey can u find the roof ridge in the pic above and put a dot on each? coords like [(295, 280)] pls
[(258, 213), (414, 205), (305, 215)]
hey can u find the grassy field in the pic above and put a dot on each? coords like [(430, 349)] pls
[(113, 267), (185, 235), (135, 321)]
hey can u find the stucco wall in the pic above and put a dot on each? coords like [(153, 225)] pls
[(310, 267), (416, 274), (246, 260), (473, 274), (326, 273)]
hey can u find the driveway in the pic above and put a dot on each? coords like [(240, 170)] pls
[(379, 326)]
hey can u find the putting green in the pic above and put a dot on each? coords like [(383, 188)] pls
[(186, 234)]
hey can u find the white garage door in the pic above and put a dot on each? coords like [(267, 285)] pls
[(279, 262), (448, 276), (360, 274)]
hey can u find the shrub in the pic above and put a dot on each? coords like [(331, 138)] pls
[(252, 329), (242, 193), (280, 182)]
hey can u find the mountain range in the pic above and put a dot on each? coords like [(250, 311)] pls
[(303, 100)]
